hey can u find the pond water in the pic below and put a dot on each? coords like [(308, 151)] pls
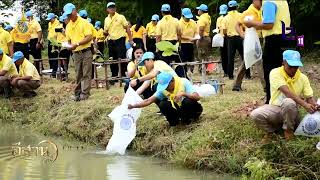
[(78, 161)]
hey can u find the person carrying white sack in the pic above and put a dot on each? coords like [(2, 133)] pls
[(288, 86)]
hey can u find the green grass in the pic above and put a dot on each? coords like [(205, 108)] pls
[(224, 140)]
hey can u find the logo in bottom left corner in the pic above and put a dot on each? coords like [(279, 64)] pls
[(126, 122)]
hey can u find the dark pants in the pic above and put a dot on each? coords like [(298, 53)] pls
[(235, 43), (117, 50), (186, 54), (146, 93), (224, 56), (65, 54), (53, 53), (36, 53), (101, 47), (23, 47), (272, 58), (139, 42), (189, 110), (151, 44), (172, 58)]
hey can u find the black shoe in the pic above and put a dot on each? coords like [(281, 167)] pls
[(225, 75), (231, 78), (236, 88)]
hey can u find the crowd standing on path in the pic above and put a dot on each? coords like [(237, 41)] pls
[(149, 72)]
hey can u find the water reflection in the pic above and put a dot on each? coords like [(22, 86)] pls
[(83, 163)]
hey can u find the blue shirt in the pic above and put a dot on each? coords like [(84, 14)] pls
[(269, 10), (187, 86)]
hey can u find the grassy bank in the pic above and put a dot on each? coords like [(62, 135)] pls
[(223, 140)]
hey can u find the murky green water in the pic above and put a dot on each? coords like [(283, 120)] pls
[(82, 163)]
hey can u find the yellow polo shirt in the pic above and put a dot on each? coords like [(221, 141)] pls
[(168, 28), (205, 21), (5, 38), (34, 28), (162, 66), (77, 31), (20, 37), (100, 35), (115, 26), (6, 64), (188, 29), (219, 24), (151, 29), (51, 29), (139, 34), (299, 85), (252, 13), (28, 69), (230, 21), (139, 73), (61, 36)]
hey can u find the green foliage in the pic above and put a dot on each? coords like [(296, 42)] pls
[(168, 48), (260, 169)]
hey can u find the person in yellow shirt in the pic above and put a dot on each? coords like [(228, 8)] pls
[(115, 28), (167, 30), (6, 42), (151, 33), (8, 28), (7, 71), (176, 98), (36, 41), (274, 13), (188, 31), (223, 50), (139, 33), (80, 37), (288, 88), (84, 14), (204, 24), (53, 50), (235, 42), (100, 37), (21, 36), (28, 79), (135, 71), (253, 12)]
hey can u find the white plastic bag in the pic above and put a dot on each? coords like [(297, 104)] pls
[(205, 90), (252, 51), (217, 40), (124, 127), (129, 53), (309, 126)]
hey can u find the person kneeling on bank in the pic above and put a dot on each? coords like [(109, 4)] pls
[(7, 71), (178, 99), (28, 79), (288, 85)]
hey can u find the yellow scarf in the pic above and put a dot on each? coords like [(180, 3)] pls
[(290, 80), (178, 87)]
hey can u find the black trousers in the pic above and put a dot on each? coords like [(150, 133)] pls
[(23, 47), (188, 111), (65, 54), (36, 53), (53, 53), (151, 44), (272, 58), (117, 49), (187, 55), (146, 93), (235, 43), (224, 56), (101, 47)]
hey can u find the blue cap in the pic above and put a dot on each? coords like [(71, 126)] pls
[(63, 18), (83, 13), (50, 16), (29, 14), (17, 55), (97, 24), (165, 7), (1, 51), (223, 9), (68, 8), (155, 17), (7, 27), (292, 57), (163, 80), (147, 55), (232, 3), (186, 12), (111, 4), (89, 20), (203, 7)]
